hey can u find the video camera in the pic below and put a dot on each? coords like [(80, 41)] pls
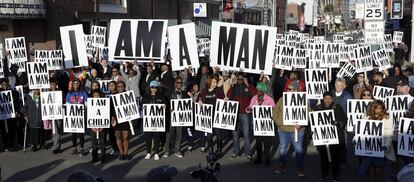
[(209, 173)]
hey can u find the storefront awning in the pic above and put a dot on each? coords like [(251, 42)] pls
[(22, 9)]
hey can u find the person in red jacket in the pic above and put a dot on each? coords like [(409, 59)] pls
[(242, 92), (293, 77)]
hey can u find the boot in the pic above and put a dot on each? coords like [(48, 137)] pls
[(95, 156)]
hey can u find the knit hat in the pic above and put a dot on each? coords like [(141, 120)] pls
[(261, 87), (328, 93)]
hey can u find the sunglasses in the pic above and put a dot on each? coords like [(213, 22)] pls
[(366, 94), (239, 79), (178, 82), (290, 89), (154, 87)]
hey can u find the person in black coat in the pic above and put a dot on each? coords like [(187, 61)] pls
[(154, 97), (33, 116), (335, 150), (151, 75), (166, 80)]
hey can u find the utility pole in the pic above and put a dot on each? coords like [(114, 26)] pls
[(97, 12), (178, 12), (265, 12), (274, 11)]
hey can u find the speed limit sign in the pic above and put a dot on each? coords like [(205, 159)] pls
[(374, 10)]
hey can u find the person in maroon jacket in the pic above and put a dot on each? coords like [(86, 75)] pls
[(209, 95), (242, 92)]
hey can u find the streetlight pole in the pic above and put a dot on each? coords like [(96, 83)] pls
[(178, 12)]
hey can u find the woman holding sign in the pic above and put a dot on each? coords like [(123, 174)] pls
[(209, 95), (121, 129), (333, 150), (377, 111), (154, 97)]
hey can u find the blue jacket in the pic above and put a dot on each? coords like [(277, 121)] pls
[(342, 99)]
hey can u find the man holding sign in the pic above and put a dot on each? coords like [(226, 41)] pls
[(330, 152), (287, 135)]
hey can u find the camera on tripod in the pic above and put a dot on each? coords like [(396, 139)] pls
[(209, 173)]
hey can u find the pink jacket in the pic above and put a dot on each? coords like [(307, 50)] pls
[(267, 101)]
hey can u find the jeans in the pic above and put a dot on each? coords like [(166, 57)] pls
[(243, 126), (287, 138), (98, 143), (175, 132)]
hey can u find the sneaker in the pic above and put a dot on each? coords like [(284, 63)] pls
[(55, 152), (189, 148), (74, 152), (234, 156), (202, 149), (99, 151), (179, 155), (248, 157), (300, 173), (323, 178), (165, 155), (156, 157), (83, 153), (335, 179), (148, 156), (280, 169), (113, 152)]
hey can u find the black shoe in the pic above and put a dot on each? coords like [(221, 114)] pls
[(323, 178), (95, 159), (74, 152), (34, 148), (121, 157), (126, 157), (257, 161), (55, 152), (103, 160), (267, 162)]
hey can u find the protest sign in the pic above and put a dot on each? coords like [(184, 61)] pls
[(182, 112), (397, 37), (38, 75), (104, 86), (374, 32), (363, 59), (98, 113), (126, 108), (90, 50), (323, 128), (154, 117), (203, 117), (381, 93), (301, 58), (73, 45), (263, 124), (330, 55), (347, 70), (51, 105), (226, 114), (374, 10), (406, 137), (139, 39), (183, 46), (203, 47), (74, 120), (388, 45), (235, 46), (6, 105), (345, 50), (1, 65), (381, 59), (295, 109), (98, 35), (316, 83), (315, 57), (284, 57), (397, 106), (356, 110), (53, 58), (16, 52), (369, 138)]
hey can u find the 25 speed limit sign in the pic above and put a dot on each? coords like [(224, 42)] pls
[(374, 10)]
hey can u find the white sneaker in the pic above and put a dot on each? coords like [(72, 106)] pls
[(148, 156), (156, 157), (165, 155)]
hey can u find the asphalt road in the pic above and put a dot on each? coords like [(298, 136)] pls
[(44, 166)]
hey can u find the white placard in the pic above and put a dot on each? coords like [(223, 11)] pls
[(397, 37), (104, 86), (74, 120), (139, 39), (16, 52), (263, 124), (38, 75), (316, 83), (406, 137), (183, 46), (125, 106), (225, 115), (154, 117), (51, 105), (73, 45), (235, 46), (295, 108), (381, 93), (398, 106), (98, 113), (347, 70), (54, 58), (324, 132), (6, 105), (357, 109), (203, 117), (369, 138), (98, 34), (363, 58), (381, 59), (330, 55), (284, 57), (182, 112)]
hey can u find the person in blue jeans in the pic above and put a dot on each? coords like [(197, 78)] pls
[(287, 135), (242, 92)]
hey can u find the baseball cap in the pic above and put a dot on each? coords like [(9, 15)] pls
[(154, 83), (261, 87), (161, 174), (403, 81)]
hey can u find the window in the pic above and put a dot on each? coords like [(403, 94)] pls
[(113, 2)]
